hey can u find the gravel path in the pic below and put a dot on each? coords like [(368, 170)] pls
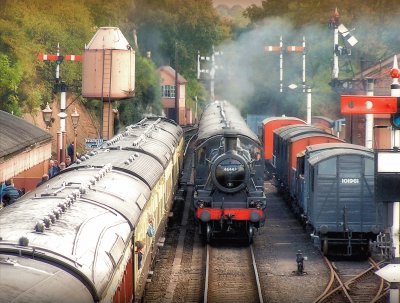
[(277, 244)]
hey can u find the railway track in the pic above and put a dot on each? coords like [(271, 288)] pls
[(354, 282), (231, 275)]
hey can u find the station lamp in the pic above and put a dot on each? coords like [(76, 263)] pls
[(47, 112), (75, 120)]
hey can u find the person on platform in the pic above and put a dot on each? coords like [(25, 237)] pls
[(2, 186), (9, 193), (68, 161), (53, 168), (70, 151)]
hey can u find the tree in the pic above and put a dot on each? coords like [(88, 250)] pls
[(184, 27), (10, 79), (147, 99), (32, 26)]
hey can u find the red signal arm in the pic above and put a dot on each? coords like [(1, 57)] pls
[(353, 104), (52, 57)]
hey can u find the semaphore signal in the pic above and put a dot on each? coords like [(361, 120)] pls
[(61, 86), (60, 58)]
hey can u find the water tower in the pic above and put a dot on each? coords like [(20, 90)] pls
[(108, 72)]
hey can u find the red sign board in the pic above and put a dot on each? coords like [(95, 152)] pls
[(352, 104)]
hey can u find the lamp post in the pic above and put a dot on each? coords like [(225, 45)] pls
[(75, 121), (47, 112)]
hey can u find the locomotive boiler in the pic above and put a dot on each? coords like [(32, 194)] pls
[(90, 232), (229, 188)]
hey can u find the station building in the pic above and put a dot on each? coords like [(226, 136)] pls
[(169, 93), (24, 151)]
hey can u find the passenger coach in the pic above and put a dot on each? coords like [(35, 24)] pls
[(89, 234)]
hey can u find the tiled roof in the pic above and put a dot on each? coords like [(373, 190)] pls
[(16, 134), (171, 71)]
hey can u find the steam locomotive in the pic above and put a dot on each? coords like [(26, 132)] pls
[(229, 194), (89, 233)]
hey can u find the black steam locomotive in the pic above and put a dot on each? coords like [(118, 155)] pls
[(229, 188)]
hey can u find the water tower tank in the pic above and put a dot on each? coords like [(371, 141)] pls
[(108, 66)]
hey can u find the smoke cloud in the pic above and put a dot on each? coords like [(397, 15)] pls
[(249, 77)]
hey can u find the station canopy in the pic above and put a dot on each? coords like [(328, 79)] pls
[(22, 145)]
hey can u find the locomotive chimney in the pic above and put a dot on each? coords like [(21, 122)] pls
[(230, 141)]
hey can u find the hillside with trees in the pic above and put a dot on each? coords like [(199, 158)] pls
[(174, 31)]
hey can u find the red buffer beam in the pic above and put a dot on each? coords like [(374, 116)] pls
[(352, 104)]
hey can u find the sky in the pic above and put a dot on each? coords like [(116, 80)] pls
[(243, 3)]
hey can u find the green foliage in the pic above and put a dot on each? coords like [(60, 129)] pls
[(28, 27), (175, 31), (147, 99), (178, 29), (10, 78)]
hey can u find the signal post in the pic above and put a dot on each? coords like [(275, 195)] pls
[(62, 88), (387, 168)]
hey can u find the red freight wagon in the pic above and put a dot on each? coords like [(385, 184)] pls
[(269, 125)]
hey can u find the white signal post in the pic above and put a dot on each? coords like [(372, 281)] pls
[(289, 49), (369, 118), (61, 134), (211, 72), (391, 272), (339, 50), (395, 91), (279, 49), (335, 70)]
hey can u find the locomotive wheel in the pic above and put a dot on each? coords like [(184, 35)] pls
[(208, 233), (250, 233), (325, 248)]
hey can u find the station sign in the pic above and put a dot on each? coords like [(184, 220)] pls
[(92, 143)]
